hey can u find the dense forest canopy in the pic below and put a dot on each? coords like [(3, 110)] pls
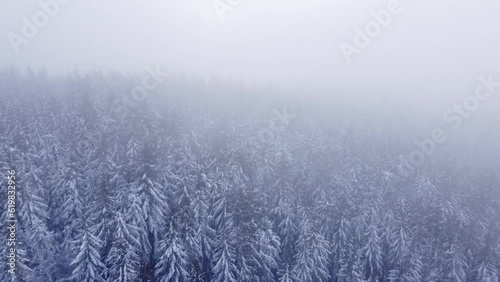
[(216, 180)]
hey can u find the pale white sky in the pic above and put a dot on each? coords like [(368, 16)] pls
[(432, 49)]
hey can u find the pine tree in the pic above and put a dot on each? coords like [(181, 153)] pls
[(268, 253), (224, 269), (312, 255), (371, 253), (485, 272), (287, 232), (205, 235), (287, 274), (173, 262), (40, 242), (87, 263), (455, 264), (342, 248), (123, 258), (224, 264)]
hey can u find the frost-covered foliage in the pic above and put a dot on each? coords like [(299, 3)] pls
[(180, 186)]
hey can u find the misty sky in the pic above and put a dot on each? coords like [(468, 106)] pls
[(431, 49)]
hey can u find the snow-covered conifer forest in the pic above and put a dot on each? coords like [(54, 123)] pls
[(194, 183)]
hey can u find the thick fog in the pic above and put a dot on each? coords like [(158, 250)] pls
[(429, 49), (250, 140)]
